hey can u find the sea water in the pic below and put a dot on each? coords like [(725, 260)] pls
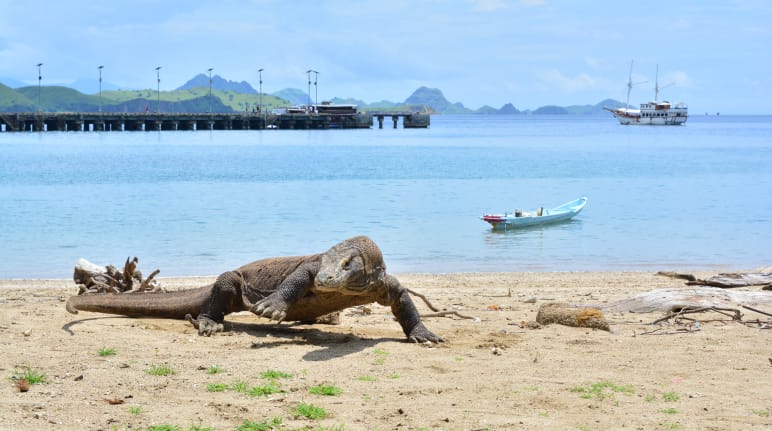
[(697, 196)]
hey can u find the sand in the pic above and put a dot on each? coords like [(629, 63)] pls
[(492, 373)]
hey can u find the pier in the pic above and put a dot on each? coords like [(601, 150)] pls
[(155, 121)]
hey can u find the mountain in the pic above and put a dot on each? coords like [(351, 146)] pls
[(509, 109), (550, 110), (218, 83), (13, 101), (293, 96), (57, 98), (434, 99)]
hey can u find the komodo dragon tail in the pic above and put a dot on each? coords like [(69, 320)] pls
[(171, 305)]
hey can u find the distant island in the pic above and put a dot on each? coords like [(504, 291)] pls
[(232, 96)]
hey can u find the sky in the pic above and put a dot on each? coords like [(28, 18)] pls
[(716, 56)]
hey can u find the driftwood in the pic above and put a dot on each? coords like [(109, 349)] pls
[(687, 277), (92, 278), (736, 315), (727, 280), (570, 315), (674, 299)]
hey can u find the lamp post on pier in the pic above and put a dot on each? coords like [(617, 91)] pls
[(40, 78), (158, 89), (210, 88), (316, 89), (308, 72), (100, 87), (260, 91)]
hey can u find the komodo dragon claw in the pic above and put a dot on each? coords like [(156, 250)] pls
[(270, 307), (420, 334), (205, 325)]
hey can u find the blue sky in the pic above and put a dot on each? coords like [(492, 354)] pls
[(714, 55)]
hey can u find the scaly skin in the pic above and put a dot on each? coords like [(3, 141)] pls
[(298, 288)]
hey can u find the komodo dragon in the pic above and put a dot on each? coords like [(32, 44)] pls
[(299, 288)]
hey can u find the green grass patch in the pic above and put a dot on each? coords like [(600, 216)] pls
[(106, 351), (761, 412), (325, 390), (310, 411), (214, 369), (135, 410), (670, 411), (164, 427), (240, 387), (262, 391), (380, 356), (161, 370), (602, 390), (367, 378), (265, 425), (275, 375), (671, 426), (216, 387), (393, 376), (671, 396), (32, 376), (169, 427)]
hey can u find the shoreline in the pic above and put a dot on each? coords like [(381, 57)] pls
[(187, 279)]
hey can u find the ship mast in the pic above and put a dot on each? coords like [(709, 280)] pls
[(657, 87), (630, 84)]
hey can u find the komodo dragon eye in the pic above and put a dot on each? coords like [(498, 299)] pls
[(352, 264)]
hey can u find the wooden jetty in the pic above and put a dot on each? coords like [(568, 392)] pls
[(155, 121), (410, 120)]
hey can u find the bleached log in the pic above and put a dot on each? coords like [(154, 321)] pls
[(730, 281), (570, 315), (674, 299)]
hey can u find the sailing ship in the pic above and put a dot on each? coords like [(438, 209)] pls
[(656, 113)]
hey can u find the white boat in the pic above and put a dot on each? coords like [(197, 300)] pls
[(654, 113), (541, 216)]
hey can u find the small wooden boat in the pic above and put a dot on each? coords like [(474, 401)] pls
[(541, 216)]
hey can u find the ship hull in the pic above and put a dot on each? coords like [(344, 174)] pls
[(628, 117)]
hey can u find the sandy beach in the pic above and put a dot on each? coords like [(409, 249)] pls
[(493, 372)]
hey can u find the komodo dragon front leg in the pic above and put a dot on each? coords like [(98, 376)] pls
[(405, 312)]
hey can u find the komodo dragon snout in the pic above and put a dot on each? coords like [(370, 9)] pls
[(353, 267)]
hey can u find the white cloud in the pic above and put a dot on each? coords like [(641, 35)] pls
[(488, 5), (593, 62), (678, 78), (554, 77)]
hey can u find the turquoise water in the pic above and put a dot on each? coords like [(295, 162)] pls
[(199, 203)]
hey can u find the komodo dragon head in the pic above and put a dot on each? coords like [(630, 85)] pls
[(352, 267)]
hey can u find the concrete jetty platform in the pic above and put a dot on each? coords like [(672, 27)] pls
[(155, 121)]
